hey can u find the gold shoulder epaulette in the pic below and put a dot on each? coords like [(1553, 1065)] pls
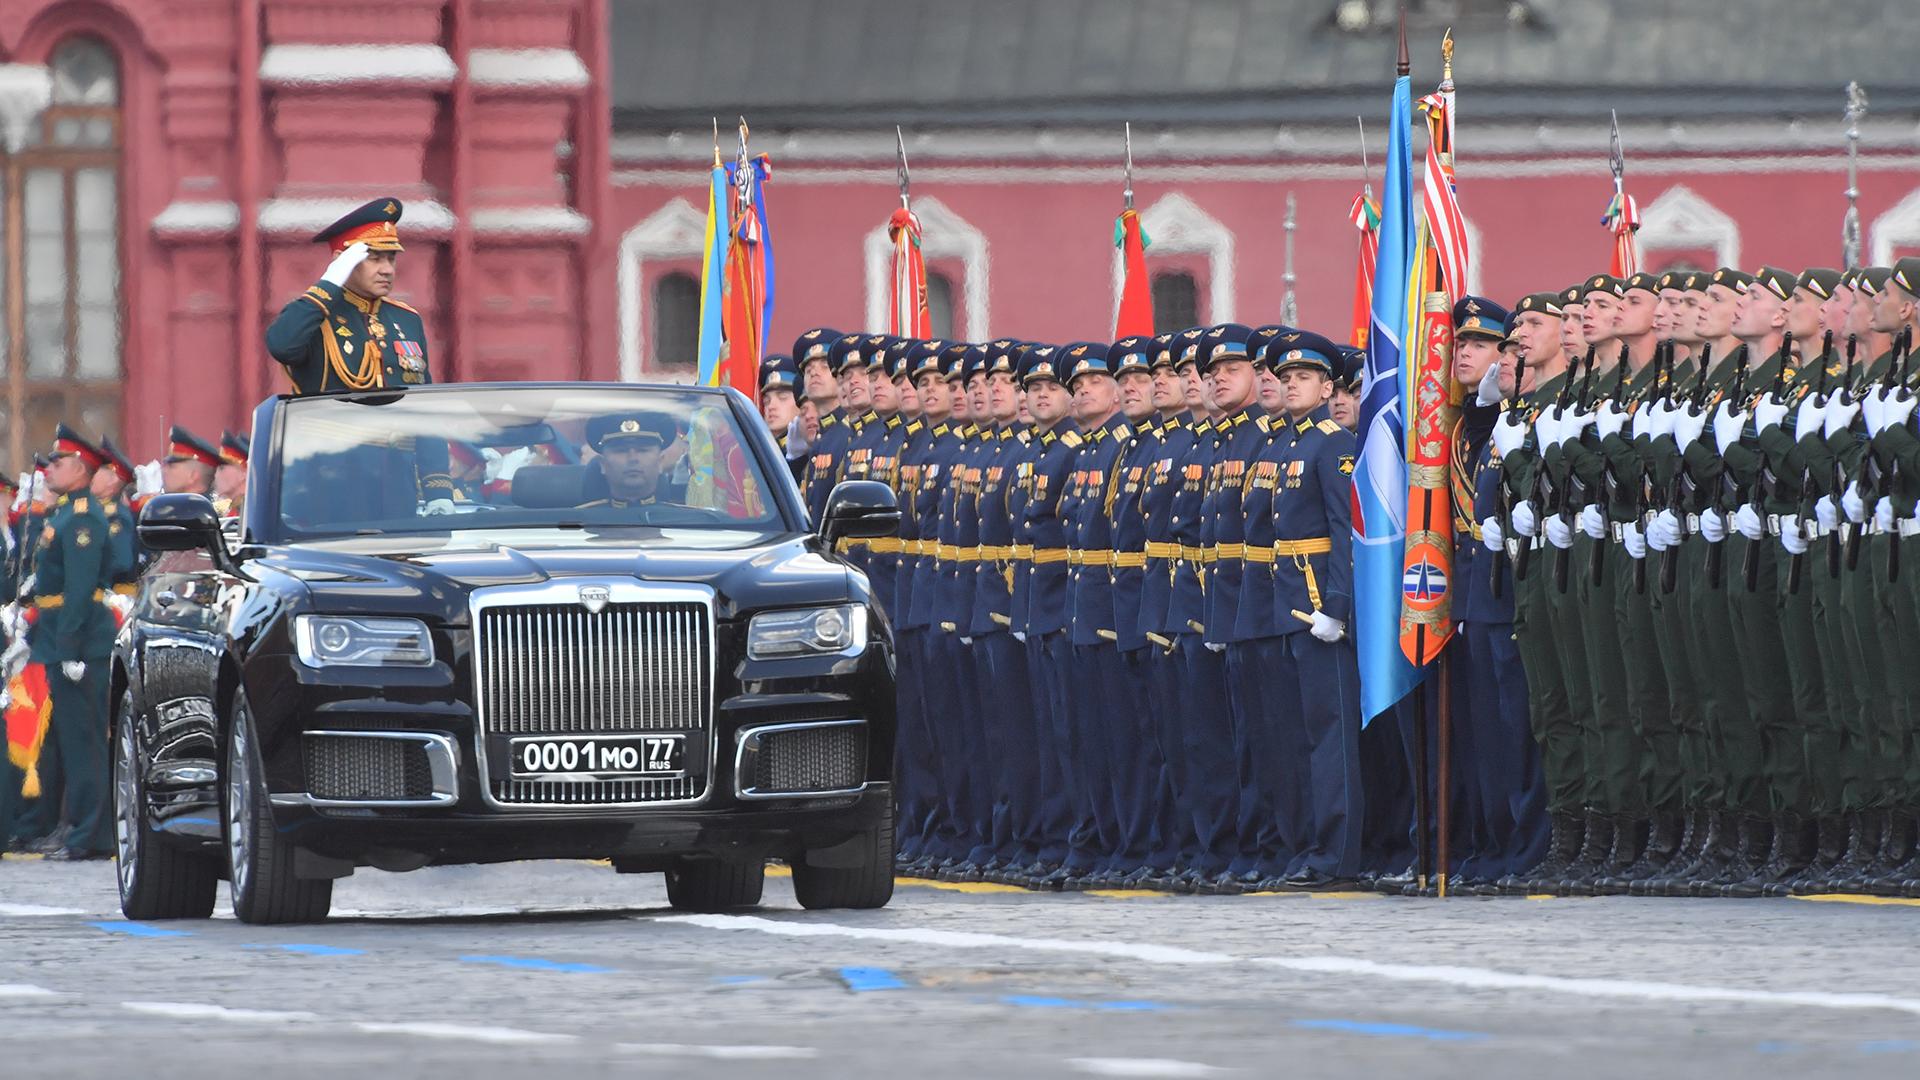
[(1124, 431), (1265, 424), (80, 505), (402, 305), (1328, 427), (1071, 438)]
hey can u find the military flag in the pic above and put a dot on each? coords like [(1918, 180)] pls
[(1135, 318), (748, 301), (1622, 218), (907, 312), (1366, 218), (1380, 473), (29, 709), (713, 260)]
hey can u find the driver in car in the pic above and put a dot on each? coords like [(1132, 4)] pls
[(630, 446)]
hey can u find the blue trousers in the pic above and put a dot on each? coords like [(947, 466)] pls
[(1176, 845), (1326, 683), (1012, 772), (1504, 764), (914, 787), (1047, 721), (1269, 771), (1210, 784)]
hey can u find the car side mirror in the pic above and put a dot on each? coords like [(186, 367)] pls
[(860, 510), (181, 522)]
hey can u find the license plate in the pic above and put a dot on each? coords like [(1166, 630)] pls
[(598, 757)]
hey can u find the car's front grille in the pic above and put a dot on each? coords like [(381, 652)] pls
[(557, 669), (367, 769), (808, 759)]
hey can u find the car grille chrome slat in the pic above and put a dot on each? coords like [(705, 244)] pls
[(559, 669)]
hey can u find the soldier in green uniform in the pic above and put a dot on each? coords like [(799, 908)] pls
[(110, 485), (189, 464), (73, 636)]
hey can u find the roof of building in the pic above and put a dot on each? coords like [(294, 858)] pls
[(858, 63)]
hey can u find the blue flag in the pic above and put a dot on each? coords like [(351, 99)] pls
[(712, 280), (1380, 470)]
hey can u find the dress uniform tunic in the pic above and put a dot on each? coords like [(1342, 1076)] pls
[(73, 574)]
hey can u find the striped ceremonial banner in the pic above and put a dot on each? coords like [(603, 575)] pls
[(1366, 218), (1623, 221), (907, 313)]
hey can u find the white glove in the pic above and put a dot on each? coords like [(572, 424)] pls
[(1688, 423), (1327, 628), (1019, 636), (1840, 413), (121, 605), (1633, 540), (41, 492), (1593, 522), (1790, 537), (966, 641), (1664, 413), (1768, 412), (1546, 427), (1713, 526), (1509, 433), (1572, 424), (74, 670), (797, 442), (1524, 521), (1871, 404), (1490, 533), (1216, 647), (341, 268), (438, 507), (1663, 531), (1489, 390), (1883, 514), (1610, 420), (512, 462), (1747, 522), (1646, 419), (1727, 425), (1826, 513), (23, 491), (1559, 533), (149, 479), (1897, 409), (1810, 418), (1853, 503)]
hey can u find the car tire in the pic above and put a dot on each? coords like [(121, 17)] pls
[(869, 885), (710, 885), (158, 880), (260, 862)]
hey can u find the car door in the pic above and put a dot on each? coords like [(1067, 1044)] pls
[(177, 649)]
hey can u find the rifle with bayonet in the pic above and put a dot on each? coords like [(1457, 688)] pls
[(1874, 480), (1796, 561), (1681, 489), (1717, 553), (1835, 540), (1891, 475), (1766, 485), (1646, 504), (1543, 489), (1500, 557), (1609, 481), (1572, 485)]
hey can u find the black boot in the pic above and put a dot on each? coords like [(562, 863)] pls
[(1709, 848), (1629, 849), (1794, 845), (1667, 841), (1829, 850), (1896, 852), (1568, 829), (1578, 878), (1752, 841), (1863, 850)]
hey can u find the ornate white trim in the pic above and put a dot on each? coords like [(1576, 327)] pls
[(943, 235), (25, 90), (356, 65), (675, 231), (190, 218), (1175, 225), (550, 221), (1898, 226), (526, 69), (1681, 218)]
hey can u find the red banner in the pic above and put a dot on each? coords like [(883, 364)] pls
[(1136, 299), (907, 314), (29, 708)]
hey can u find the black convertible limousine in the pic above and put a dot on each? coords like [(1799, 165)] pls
[(647, 656)]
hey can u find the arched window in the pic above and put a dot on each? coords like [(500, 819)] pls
[(940, 304), (1176, 302), (61, 349), (676, 323)]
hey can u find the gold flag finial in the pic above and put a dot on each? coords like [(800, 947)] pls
[(716, 142), (1446, 56)]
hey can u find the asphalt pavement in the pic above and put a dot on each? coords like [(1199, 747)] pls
[(570, 970)]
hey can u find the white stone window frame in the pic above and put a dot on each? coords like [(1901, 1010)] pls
[(675, 232), (1899, 226), (1175, 225), (1681, 219)]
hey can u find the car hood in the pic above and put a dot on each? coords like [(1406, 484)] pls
[(433, 575)]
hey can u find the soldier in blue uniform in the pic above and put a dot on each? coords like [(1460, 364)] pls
[(73, 636), (780, 408), (877, 457), (1313, 603), (819, 352)]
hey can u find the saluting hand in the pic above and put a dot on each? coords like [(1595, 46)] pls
[(343, 264), (74, 670)]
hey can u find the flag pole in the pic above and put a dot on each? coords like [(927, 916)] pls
[(1127, 192), (1424, 808), (1850, 225), (1442, 670), (1289, 307)]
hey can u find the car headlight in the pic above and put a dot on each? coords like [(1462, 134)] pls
[(357, 641), (775, 635)]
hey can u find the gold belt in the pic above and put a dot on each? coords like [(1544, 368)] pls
[(1162, 551), (988, 551), (1229, 551), (1042, 556), (1129, 560), (886, 545), (1318, 546), (1259, 554), (1193, 554), (946, 551), (1077, 557), (45, 603), (967, 554), (127, 588), (1023, 551)]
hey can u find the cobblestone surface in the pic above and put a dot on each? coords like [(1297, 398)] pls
[(571, 969)]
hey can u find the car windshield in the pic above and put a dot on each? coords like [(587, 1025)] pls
[(588, 456)]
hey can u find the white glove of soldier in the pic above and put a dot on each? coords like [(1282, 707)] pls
[(1646, 419), (1810, 418), (1632, 539), (342, 266), (438, 507), (23, 491), (1523, 520), (964, 640), (797, 443), (1790, 537), (1840, 414), (74, 670), (1546, 427), (41, 492), (1896, 409), (1713, 526), (1490, 533), (1767, 412), (1727, 425), (1610, 420), (1327, 628), (1663, 531), (1883, 514), (1509, 433), (1572, 424), (1748, 523), (1853, 503), (1216, 646), (149, 479), (1593, 522), (1559, 533), (1871, 403), (1489, 390), (1826, 513), (1688, 423), (1019, 636)]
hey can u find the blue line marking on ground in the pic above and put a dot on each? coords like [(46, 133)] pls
[(134, 929), (1402, 1031), (1036, 1001), (534, 963), (739, 980), (1774, 1047), (1889, 1046), (309, 950), (863, 979), (172, 822)]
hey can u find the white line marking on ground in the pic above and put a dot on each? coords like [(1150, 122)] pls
[(723, 1053), (35, 911), (468, 1032), (1142, 1067), (26, 990), (184, 1010), (1485, 979), (1466, 977)]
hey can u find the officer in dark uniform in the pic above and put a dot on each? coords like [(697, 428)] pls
[(630, 445), (780, 408), (189, 463), (230, 476), (820, 352), (73, 636), (110, 486), (345, 332)]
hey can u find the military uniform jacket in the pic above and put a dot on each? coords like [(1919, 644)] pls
[(823, 468), (1086, 510), (1000, 455), (1253, 616), (73, 571), (1625, 461), (1245, 433), (1474, 472), (331, 340), (1313, 522), (1782, 452), (1042, 535), (126, 546), (933, 504), (1166, 455), (1187, 599), (950, 594), (916, 444), (1129, 517), (1019, 488), (883, 466), (862, 446)]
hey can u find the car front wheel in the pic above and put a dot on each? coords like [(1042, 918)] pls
[(709, 885), (265, 889), (158, 880), (866, 885)]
